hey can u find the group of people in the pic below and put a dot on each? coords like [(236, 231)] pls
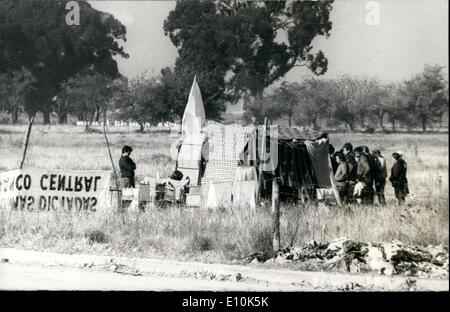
[(357, 173), (361, 174)]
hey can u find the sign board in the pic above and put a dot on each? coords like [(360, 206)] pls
[(45, 190)]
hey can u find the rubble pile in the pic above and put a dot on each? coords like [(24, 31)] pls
[(392, 258)]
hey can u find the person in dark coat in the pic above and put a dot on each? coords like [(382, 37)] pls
[(380, 176), (347, 150), (341, 177), (401, 156), (398, 178), (334, 163), (364, 175), (371, 159), (127, 168)]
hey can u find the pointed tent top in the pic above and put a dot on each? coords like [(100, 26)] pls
[(194, 116)]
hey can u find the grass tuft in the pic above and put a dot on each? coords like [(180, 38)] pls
[(95, 236)]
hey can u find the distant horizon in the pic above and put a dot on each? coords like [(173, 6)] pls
[(411, 34)]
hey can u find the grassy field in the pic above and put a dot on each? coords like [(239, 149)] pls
[(219, 235)]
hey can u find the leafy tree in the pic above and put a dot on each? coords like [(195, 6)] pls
[(54, 51), (175, 85), (353, 99), (380, 106), (372, 93), (425, 96), (13, 89), (315, 102), (141, 102), (395, 107), (287, 97), (86, 95), (258, 108), (248, 45)]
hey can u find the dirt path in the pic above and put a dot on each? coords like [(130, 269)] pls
[(35, 277), (21, 269)]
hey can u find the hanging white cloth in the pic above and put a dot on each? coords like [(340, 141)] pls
[(194, 116)]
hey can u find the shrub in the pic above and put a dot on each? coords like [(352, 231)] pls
[(96, 236), (201, 243), (261, 239)]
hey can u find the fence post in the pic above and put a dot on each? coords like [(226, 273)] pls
[(276, 215), (262, 153), (116, 176), (27, 139)]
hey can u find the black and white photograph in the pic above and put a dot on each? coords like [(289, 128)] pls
[(224, 146)]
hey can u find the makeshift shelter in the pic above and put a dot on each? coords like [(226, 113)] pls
[(232, 155), (234, 165)]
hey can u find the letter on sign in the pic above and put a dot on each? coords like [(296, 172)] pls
[(73, 17)]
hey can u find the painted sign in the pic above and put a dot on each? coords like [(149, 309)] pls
[(45, 190)]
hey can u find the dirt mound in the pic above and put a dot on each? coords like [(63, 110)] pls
[(387, 258)]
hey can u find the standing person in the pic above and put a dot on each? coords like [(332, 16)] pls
[(406, 165), (341, 177), (380, 176), (363, 175), (347, 150), (372, 170), (398, 178), (127, 168), (371, 159), (334, 163)]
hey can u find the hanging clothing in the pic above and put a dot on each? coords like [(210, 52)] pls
[(245, 194), (318, 152)]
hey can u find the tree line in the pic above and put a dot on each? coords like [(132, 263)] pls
[(40, 53), (233, 47), (351, 102), (237, 49)]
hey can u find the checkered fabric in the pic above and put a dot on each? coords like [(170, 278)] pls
[(226, 142)]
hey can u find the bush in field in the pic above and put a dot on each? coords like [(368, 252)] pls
[(201, 243), (96, 236), (160, 158), (261, 239)]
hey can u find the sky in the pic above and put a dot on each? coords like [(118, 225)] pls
[(410, 34)]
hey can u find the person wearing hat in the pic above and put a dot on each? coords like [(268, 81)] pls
[(380, 175), (127, 168), (398, 178)]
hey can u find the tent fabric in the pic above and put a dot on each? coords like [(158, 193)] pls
[(245, 194), (218, 194), (294, 166), (245, 173), (225, 146), (190, 157), (232, 154), (268, 156), (318, 152), (194, 117)]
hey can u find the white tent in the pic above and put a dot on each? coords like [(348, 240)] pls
[(194, 117)]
